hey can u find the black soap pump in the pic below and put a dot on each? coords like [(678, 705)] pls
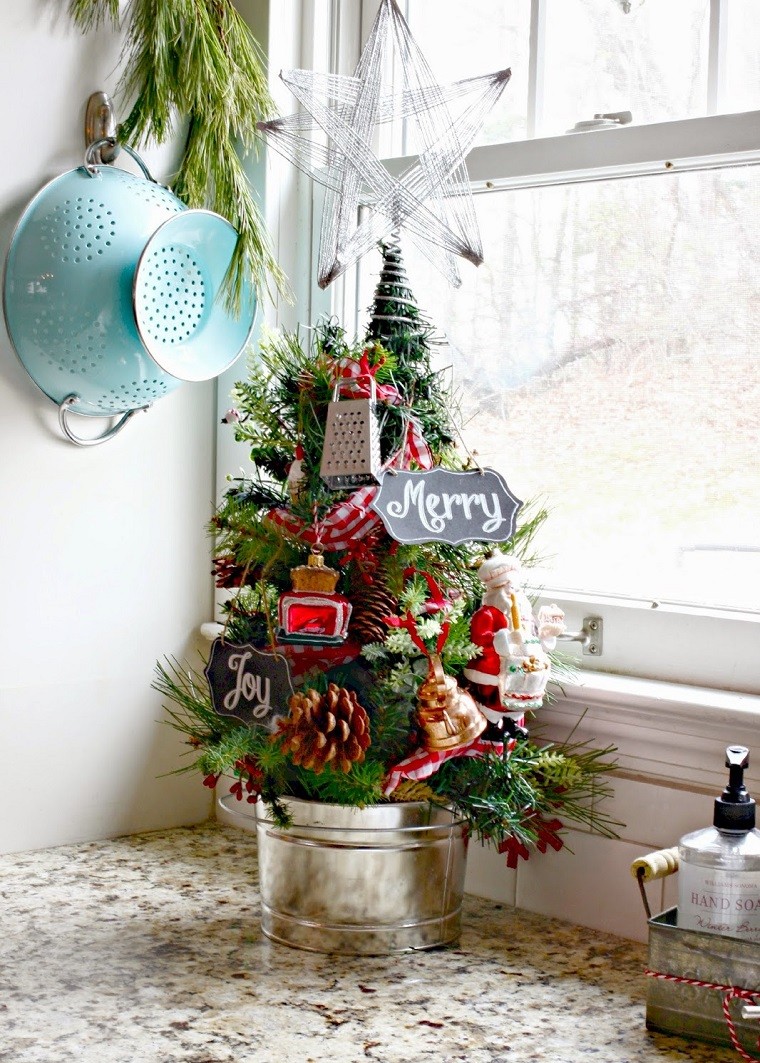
[(719, 866)]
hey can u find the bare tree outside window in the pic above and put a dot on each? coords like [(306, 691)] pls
[(605, 359)]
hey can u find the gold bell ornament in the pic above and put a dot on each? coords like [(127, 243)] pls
[(351, 454), (447, 715)]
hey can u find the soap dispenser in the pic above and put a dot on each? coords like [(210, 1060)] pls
[(719, 866)]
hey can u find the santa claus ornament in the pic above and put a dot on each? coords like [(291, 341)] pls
[(509, 675), (296, 478)]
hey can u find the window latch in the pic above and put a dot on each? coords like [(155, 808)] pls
[(589, 636)]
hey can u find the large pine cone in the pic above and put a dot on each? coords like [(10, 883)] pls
[(331, 728)]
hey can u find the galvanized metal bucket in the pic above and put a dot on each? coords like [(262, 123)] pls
[(370, 881)]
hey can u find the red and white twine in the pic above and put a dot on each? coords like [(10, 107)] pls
[(730, 992)]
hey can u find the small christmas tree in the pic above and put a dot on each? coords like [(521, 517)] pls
[(398, 325), (377, 632)]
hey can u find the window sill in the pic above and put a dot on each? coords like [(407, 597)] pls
[(679, 647), (669, 733)]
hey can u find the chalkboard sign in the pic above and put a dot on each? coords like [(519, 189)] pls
[(252, 685), (447, 507)]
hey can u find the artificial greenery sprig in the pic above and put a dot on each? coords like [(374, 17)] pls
[(505, 797), (197, 60)]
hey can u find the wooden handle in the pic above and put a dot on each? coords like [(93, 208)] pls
[(655, 865)]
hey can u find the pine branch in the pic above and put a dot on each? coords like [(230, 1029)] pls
[(221, 757), (359, 787), (90, 14), (198, 59), (188, 690), (501, 797)]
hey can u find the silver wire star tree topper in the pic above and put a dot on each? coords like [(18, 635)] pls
[(431, 200)]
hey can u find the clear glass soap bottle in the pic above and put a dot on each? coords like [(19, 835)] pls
[(719, 866)]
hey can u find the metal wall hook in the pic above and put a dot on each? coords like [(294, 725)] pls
[(590, 636), (100, 125), (66, 408)]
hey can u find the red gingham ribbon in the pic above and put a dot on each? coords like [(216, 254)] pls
[(360, 374), (415, 449), (730, 992), (424, 762), (352, 518)]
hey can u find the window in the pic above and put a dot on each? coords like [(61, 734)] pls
[(605, 352), (605, 357)]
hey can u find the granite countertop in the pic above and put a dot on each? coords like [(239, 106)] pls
[(147, 949)]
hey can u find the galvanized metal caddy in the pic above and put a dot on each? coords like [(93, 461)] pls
[(369, 881), (676, 1007)]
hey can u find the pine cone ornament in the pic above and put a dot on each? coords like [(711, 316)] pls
[(370, 604), (331, 728), (228, 573)]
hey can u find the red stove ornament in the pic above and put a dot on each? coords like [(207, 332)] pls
[(312, 613)]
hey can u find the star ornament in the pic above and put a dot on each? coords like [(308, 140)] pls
[(330, 139)]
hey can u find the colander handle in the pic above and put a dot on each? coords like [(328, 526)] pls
[(92, 167), (65, 409)]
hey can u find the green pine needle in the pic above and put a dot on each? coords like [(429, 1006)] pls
[(197, 60)]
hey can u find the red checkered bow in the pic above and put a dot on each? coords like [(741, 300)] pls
[(352, 518), (360, 376), (424, 762)]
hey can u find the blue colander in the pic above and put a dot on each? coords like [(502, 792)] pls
[(112, 291)]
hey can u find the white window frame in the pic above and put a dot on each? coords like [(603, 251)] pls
[(717, 649), (670, 727), (669, 730)]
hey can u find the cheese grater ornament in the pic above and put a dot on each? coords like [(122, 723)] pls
[(351, 454)]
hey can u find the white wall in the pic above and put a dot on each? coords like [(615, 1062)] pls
[(104, 560)]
